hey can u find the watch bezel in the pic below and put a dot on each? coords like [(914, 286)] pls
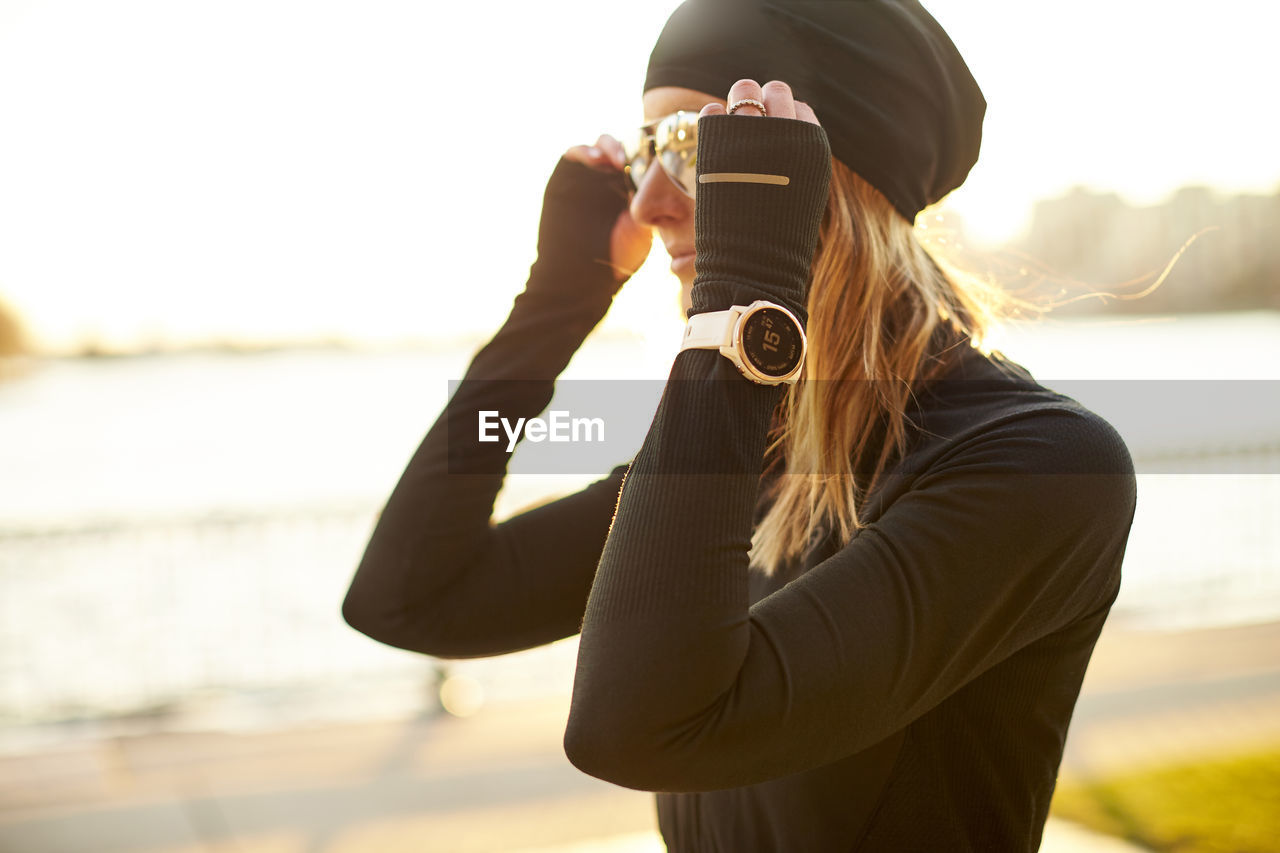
[(743, 360)]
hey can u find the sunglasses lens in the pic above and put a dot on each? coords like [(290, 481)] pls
[(674, 142), (639, 153), (636, 170), (682, 167), (676, 139)]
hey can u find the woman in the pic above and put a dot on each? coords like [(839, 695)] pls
[(848, 612)]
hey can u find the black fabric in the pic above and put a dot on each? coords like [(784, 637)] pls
[(909, 689), (757, 240), (439, 511), (580, 206), (899, 104)]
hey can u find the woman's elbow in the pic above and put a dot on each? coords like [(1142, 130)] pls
[(429, 630), (358, 613), (372, 617), (613, 747), (381, 617), (605, 753)]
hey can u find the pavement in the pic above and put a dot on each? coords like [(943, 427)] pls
[(1161, 697), (498, 781)]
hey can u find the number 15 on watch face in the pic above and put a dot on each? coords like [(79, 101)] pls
[(771, 338), (772, 343)]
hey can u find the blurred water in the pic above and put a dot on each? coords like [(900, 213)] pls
[(177, 533)]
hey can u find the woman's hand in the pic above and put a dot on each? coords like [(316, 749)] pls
[(762, 191), (629, 242), (776, 96)]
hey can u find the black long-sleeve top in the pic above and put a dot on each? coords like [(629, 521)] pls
[(908, 689)]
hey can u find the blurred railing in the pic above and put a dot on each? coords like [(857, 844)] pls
[(1205, 545), (137, 616), (155, 618)]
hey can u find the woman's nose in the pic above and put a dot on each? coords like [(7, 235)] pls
[(658, 200)]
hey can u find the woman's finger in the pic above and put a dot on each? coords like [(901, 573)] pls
[(778, 100), (715, 108), (582, 153), (746, 89), (612, 149), (590, 155), (804, 112)]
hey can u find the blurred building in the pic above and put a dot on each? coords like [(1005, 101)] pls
[(12, 337), (1089, 241)]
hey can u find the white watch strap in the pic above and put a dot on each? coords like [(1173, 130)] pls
[(711, 330)]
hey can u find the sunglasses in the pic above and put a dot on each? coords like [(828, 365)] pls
[(673, 142)]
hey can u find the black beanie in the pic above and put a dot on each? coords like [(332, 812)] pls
[(899, 105)]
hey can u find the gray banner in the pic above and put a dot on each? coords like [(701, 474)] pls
[(590, 426)]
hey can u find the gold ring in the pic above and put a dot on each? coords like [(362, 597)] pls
[(748, 102)]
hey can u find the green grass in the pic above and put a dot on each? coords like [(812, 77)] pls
[(1222, 805)]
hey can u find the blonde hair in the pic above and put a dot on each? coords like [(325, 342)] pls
[(885, 315)]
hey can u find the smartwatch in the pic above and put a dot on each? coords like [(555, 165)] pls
[(763, 340)]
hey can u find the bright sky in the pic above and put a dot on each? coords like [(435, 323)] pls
[(176, 171)]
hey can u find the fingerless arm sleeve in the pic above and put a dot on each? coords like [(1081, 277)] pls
[(438, 576)]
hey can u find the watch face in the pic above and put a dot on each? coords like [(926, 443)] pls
[(772, 342)]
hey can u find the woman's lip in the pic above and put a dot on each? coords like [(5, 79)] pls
[(682, 260)]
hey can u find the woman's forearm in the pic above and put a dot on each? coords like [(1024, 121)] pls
[(667, 629), (437, 575), (436, 527)]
